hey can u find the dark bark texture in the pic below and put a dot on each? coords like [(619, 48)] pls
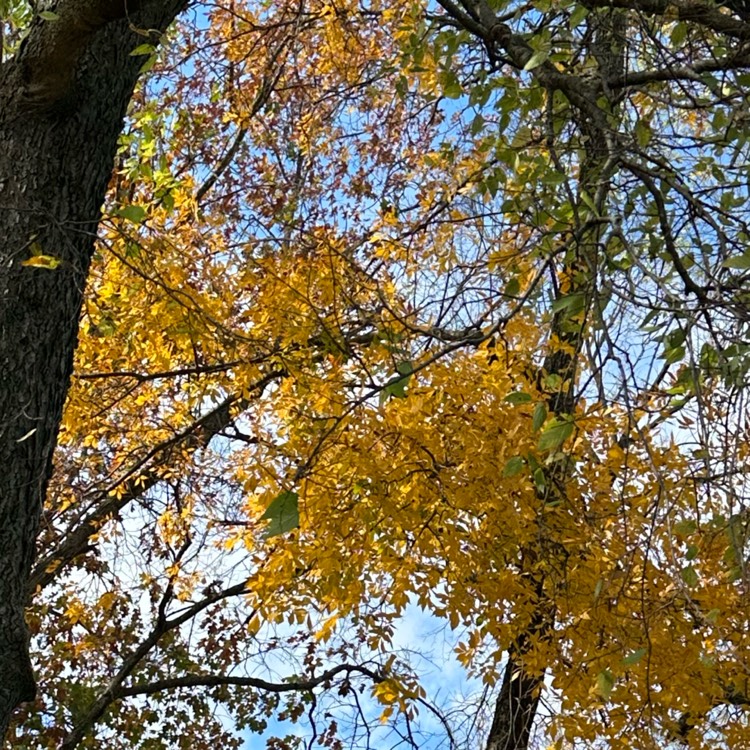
[(516, 706), (63, 98)]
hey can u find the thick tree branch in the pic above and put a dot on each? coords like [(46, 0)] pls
[(53, 48), (706, 14), (496, 34), (517, 703), (140, 478), (679, 72)]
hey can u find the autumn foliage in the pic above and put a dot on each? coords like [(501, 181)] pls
[(393, 306)]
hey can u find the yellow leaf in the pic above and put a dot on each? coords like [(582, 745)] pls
[(387, 713), (326, 629), (42, 261), (107, 599)]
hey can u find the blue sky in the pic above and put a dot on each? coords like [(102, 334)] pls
[(426, 643)]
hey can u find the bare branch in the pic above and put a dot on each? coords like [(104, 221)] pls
[(254, 682), (141, 477)]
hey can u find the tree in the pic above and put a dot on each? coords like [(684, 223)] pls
[(64, 95), (400, 302)]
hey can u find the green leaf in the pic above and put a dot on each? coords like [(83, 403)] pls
[(143, 49), (555, 435), (679, 33), (685, 528), (48, 15), (518, 397), (513, 466), (674, 355), (150, 62), (405, 368), (635, 657), (572, 302), (576, 17), (282, 514), (605, 682), (133, 213), (675, 338), (539, 417), (477, 125), (397, 388), (536, 59), (512, 288), (553, 177), (740, 262), (452, 88), (589, 201), (689, 575), (643, 133)]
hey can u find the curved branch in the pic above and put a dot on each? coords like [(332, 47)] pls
[(163, 625), (200, 680)]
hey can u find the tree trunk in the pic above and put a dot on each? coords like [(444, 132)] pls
[(63, 98), (516, 706)]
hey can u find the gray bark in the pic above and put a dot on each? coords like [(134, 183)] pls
[(63, 98)]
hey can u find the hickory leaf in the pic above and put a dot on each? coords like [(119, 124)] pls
[(555, 434), (282, 514)]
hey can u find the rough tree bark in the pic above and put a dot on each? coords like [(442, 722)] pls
[(63, 98)]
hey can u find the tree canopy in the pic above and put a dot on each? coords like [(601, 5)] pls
[(400, 304)]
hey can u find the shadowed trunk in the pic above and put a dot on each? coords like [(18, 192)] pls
[(516, 706), (62, 102)]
